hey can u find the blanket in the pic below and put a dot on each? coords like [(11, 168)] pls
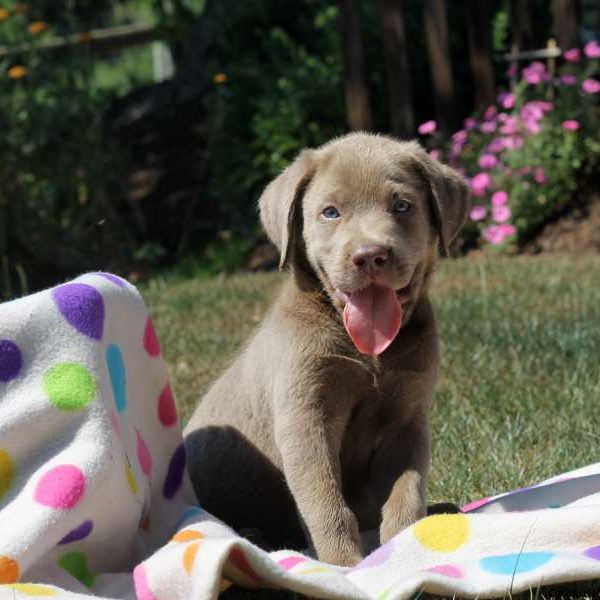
[(95, 500)]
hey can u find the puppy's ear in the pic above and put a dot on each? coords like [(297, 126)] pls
[(280, 203), (449, 197)]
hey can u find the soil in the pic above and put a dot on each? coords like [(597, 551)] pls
[(576, 232)]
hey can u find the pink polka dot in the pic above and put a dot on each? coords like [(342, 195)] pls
[(143, 453), (114, 421), (290, 562), (167, 412), (140, 580), (447, 570), (60, 487), (150, 339), (474, 505)]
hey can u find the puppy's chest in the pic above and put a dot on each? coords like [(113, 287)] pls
[(386, 403)]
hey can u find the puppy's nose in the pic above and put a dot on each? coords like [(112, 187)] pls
[(370, 257)]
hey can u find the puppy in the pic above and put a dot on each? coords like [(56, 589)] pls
[(319, 428)]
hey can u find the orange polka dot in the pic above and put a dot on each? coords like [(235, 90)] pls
[(189, 556), (9, 570), (187, 535)]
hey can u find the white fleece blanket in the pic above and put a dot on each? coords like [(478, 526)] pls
[(94, 496)]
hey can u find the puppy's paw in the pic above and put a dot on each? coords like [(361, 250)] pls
[(396, 518), (343, 547)]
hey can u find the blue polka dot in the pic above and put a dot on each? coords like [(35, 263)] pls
[(116, 370), (190, 512), (509, 564)]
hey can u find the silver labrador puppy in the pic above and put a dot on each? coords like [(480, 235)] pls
[(319, 427)]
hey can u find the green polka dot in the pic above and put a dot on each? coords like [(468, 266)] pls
[(75, 563), (69, 386), (7, 472)]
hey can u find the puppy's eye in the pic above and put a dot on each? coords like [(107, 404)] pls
[(331, 212), (401, 206)]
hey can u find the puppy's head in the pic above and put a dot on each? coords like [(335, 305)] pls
[(366, 214)]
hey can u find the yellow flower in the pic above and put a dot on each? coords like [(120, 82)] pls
[(37, 27), (220, 78), (4, 14), (17, 72)]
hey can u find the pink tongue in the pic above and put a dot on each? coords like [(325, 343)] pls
[(372, 318)]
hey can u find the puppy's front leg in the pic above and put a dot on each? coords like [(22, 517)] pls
[(310, 455), (406, 458)]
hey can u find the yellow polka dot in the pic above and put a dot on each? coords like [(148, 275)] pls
[(443, 533), (313, 570), (7, 472), (133, 486), (32, 589), (187, 535)]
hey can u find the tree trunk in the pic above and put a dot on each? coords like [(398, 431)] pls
[(358, 104), (479, 23), (436, 30), (522, 36), (565, 23), (402, 116)]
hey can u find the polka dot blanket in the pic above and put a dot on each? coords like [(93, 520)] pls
[(95, 501)]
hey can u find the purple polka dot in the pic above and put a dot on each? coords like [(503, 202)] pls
[(78, 533), (82, 306), (116, 280), (175, 473), (593, 552), (377, 558), (10, 360)]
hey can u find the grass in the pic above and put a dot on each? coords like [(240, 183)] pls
[(520, 384)]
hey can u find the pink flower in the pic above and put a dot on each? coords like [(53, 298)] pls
[(435, 154), (499, 198), (568, 79), (512, 70), (427, 127), (501, 214), (488, 127), (532, 126), (570, 125), (478, 213), (506, 100), (531, 111), (572, 55), (490, 113), (480, 183), (591, 86), (460, 137), (524, 170), (592, 49), (507, 229), (510, 126), (513, 142), (496, 145), (496, 234), (470, 123), (487, 161), (535, 73), (539, 175)]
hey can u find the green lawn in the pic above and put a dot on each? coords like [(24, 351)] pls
[(520, 387)]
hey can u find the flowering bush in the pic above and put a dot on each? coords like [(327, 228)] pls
[(528, 154)]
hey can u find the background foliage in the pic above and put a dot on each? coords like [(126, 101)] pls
[(83, 185)]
